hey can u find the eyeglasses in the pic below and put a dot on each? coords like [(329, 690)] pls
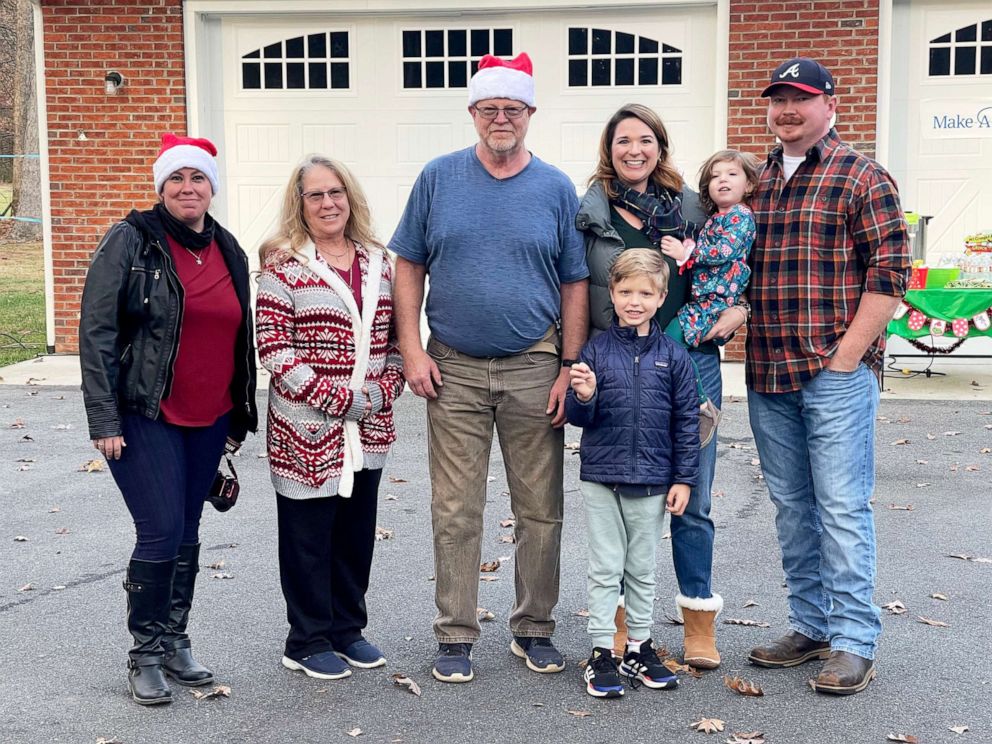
[(316, 197), (491, 112)]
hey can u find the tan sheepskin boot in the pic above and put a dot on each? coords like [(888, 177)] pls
[(620, 637), (699, 622)]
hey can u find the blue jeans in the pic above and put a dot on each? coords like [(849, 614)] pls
[(164, 474), (692, 533), (817, 450)]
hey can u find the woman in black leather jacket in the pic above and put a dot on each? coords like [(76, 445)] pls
[(168, 366)]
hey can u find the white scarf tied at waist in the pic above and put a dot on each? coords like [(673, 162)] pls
[(361, 326)]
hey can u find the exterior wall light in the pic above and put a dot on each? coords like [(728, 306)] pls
[(113, 81)]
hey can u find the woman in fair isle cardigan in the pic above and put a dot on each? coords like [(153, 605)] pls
[(325, 332)]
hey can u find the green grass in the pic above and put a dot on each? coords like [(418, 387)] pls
[(22, 302)]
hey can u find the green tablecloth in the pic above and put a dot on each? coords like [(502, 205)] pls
[(945, 304)]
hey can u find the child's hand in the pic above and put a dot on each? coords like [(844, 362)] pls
[(583, 380), (678, 499), (673, 248)]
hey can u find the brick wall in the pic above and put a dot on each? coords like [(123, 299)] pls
[(101, 147), (841, 34)]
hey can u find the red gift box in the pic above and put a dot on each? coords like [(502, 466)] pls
[(918, 277)]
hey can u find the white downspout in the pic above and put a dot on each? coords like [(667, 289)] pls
[(43, 167), (721, 104)]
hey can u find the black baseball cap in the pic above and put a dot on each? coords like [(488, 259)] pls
[(802, 73)]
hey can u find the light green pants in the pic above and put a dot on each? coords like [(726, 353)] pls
[(623, 534)]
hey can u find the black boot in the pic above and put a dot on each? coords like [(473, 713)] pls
[(148, 586), (179, 662)]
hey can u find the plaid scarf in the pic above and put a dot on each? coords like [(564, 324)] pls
[(657, 208)]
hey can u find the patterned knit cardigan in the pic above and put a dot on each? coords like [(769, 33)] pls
[(305, 339)]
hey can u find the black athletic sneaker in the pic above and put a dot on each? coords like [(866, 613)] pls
[(644, 666), (601, 675)]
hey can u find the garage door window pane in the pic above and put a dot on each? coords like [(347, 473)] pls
[(940, 61), (300, 63), (251, 75), (317, 45), (457, 75), (578, 41), (620, 59), (480, 42), (339, 75), (339, 44), (986, 68), (318, 75), (295, 77), (434, 43), (964, 60), (429, 63), (411, 75), (294, 48), (503, 42), (273, 75), (968, 33), (986, 30), (457, 44)]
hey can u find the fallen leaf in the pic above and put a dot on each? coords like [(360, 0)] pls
[(355, 732), (985, 450), (751, 603), (112, 740), (717, 494), (262, 455), (490, 566), (958, 729), (571, 445), (895, 607), (922, 462), (62, 427), (394, 479), (908, 738), (707, 725), (742, 686), (25, 459), (936, 595), (667, 536), (900, 507), (216, 565), (972, 558), (62, 531), (931, 437), (900, 441), (222, 576), (506, 539), (674, 667), (508, 522), (484, 614), (216, 692), (490, 479), (21, 538), (971, 468), (401, 680), (17, 424), (741, 621), (391, 497), (922, 485), (489, 577), (580, 713), (93, 466), (25, 467), (671, 620), (55, 510), (933, 623), (951, 433), (381, 533), (582, 613), (58, 587), (26, 438), (754, 737), (755, 461), (27, 588)]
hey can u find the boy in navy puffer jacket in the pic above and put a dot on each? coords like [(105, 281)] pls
[(634, 394)]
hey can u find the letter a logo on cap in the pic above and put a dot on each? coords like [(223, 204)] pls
[(791, 72)]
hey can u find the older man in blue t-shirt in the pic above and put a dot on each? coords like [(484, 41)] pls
[(507, 309)]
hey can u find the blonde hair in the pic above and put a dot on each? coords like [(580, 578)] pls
[(291, 232), (665, 174), (640, 262), (748, 163)]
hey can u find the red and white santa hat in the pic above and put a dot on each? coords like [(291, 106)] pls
[(185, 152), (500, 78)]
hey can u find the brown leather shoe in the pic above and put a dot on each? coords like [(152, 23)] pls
[(845, 674), (792, 649)]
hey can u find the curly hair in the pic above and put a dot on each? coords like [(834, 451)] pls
[(291, 232), (665, 173), (748, 164)]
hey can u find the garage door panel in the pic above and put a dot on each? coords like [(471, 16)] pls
[(386, 130)]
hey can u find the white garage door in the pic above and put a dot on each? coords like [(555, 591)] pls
[(387, 95), (942, 119)]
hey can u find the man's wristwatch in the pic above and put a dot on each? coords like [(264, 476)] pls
[(569, 362)]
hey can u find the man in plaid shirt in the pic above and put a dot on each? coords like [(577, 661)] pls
[(830, 264)]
